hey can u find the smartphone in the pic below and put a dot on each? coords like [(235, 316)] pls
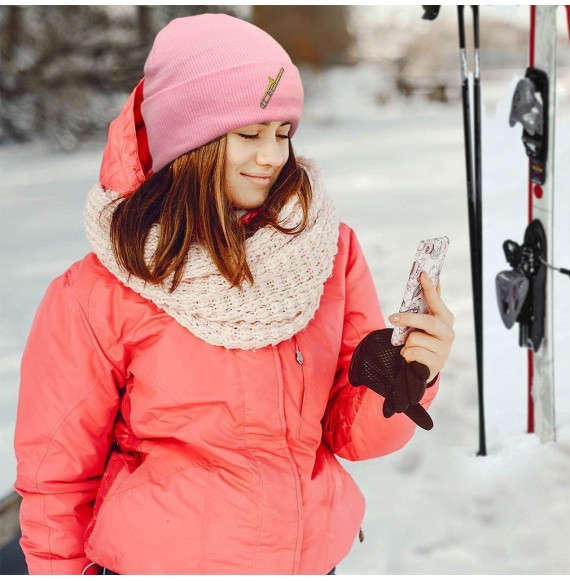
[(429, 258)]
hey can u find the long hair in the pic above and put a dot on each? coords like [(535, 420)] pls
[(187, 199)]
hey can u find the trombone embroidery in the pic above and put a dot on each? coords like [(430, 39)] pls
[(271, 89)]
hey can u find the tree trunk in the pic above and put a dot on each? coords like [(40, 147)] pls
[(144, 23), (11, 33), (316, 35)]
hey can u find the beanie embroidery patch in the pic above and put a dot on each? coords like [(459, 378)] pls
[(271, 89)]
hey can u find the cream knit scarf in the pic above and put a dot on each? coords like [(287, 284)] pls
[(289, 275)]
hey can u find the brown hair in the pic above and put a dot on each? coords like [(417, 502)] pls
[(187, 200)]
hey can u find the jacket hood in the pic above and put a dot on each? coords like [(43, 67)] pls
[(126, 159)]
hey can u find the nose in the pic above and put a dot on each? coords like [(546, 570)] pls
[(270, 153)]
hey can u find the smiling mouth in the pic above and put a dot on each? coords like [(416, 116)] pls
[(258, 179)]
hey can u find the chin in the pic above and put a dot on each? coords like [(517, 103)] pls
[(251, 204)]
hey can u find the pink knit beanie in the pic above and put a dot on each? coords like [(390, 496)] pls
[(207, 75)]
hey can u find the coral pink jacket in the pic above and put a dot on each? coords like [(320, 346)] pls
[(146, 450)]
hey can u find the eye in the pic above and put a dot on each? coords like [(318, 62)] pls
[(248, 135), (283, 136)]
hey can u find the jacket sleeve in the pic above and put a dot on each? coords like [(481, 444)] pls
[(354, 426), (66, 409)]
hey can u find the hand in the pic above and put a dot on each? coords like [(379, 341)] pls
[(431, 343), (377, 364)]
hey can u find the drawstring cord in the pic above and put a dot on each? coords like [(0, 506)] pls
[(87, 567)]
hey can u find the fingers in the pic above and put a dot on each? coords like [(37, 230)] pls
[(434, 361), (418, 339), (434, 301), (430, 324), (431, 343), (428, 350)]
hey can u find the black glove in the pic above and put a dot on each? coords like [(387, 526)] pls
[(377, 364)]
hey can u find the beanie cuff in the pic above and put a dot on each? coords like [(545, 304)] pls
[(192, 113)]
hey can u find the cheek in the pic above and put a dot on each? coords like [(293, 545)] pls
[(286, 152), (236, 153), (284, 159)]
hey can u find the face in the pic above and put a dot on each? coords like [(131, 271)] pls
[(255, 155)]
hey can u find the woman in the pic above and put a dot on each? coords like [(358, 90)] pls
[(184, 389)]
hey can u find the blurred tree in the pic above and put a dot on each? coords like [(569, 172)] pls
[(144, 21), (65, 70), (314, 35), (11, 32)]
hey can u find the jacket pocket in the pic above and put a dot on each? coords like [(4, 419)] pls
[(173, 509)]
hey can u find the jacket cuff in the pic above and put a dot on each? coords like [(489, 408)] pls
[(433, 381), (431, 391)]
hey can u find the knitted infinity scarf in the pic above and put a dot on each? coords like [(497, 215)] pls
[(289, 275)]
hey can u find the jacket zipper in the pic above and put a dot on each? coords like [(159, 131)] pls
[(298, 354), (289, 456), (300, 360)]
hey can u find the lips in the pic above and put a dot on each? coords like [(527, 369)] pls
[(257, 178)]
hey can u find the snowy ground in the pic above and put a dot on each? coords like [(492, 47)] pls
[(397, 175)]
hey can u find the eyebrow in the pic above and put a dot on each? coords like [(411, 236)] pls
[(267, 123)]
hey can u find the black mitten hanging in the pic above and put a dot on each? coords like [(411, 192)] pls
[(378, 365)]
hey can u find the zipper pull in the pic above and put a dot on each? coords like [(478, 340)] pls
[(298, 354)]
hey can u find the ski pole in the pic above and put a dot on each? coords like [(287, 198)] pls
[(473, 168), (473, 173), (479, 216), (478, 164)]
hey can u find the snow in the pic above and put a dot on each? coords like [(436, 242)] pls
[(396, 174), (435, 507)]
